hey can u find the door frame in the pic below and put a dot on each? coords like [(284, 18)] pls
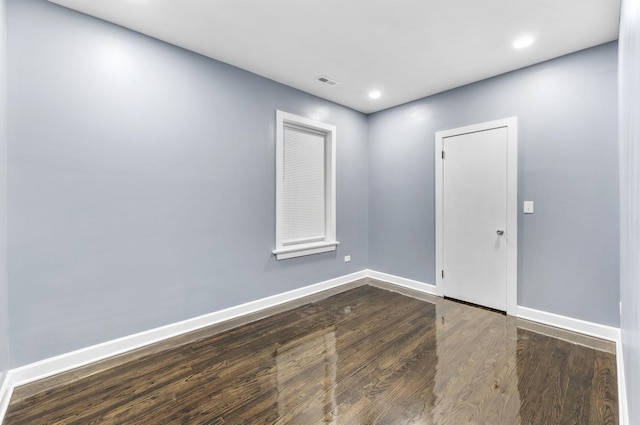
[(512, 203)]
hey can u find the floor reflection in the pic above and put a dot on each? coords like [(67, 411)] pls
[(375, 363), (477, 380), (306, 371), (388, 362), (365, 356)]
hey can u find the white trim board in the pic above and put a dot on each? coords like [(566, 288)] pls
[(6, 390), (584, 327), (570, 324), (72, 360), (623, 406), (427, 288), (78, 358), (62, 363), (68, 361)]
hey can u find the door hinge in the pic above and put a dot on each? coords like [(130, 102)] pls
[(443, 274), (442, 154)]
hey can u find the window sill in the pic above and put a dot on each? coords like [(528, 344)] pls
[(305, 249)]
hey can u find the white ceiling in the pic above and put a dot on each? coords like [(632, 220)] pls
[(407, 49)]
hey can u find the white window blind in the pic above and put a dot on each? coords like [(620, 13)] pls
[(305, 186), (303, 192)]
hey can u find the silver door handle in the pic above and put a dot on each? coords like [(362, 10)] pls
[(500, 232)]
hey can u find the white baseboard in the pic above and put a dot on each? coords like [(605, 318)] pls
[(72, 360), (622, 387), (570, 324), (404, 282), (6, 390), (62, 363), (68, 361)]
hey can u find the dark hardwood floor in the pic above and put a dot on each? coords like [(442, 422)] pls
[(365, 356)]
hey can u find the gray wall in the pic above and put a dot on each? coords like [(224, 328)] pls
[(142, 183), (4, 300), (629, 91), (567, 121)]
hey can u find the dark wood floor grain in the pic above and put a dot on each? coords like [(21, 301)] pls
[(365, 356)]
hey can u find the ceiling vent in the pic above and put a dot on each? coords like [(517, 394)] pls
[(326, 80)]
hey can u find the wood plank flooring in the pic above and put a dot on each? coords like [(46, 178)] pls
[(364, 356)]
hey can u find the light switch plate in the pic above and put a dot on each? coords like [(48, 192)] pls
[(528, 207)]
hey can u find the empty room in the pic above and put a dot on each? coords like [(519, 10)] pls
[(283, 212)]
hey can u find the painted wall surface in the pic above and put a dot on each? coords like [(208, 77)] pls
[(568, 165), (629, 89), (142, 183), (4, 286)]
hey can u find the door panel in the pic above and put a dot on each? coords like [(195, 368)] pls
[(474, 211)]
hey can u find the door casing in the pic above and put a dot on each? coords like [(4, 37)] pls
[(511, 229)]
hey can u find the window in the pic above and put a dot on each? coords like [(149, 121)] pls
[(305, 186)]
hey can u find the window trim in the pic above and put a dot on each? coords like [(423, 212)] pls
[(328, 243)]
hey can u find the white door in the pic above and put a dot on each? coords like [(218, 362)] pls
[(474, 221)]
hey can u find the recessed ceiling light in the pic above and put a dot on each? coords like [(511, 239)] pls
[(375, 94), (523, 42)]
